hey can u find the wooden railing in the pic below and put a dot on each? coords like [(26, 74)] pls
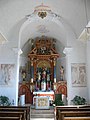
[(15, 112), (73, 112)]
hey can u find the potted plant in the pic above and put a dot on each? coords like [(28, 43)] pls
[(77, 100), (4, 101), (58, 100)]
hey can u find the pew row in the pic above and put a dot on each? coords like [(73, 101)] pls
[(10, 118), (12, 114), (15, 112), (68, 112), (76, 118)]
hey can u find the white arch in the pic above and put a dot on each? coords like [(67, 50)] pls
[(67, 29), (51, 17)]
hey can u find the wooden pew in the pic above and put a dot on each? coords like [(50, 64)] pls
[(10, 118), (12, 114), (59, 108), (72, 111), (24, 111), (76, 118)]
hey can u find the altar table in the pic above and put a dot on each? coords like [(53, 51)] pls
[(49, 94)]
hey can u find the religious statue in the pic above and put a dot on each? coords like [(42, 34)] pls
[(44, 73), (23, 75), (39, 75), (61, 73)]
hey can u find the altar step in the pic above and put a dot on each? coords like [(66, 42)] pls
[(49, 113)]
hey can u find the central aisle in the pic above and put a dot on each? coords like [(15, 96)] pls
[(44, 114), (42, 119)]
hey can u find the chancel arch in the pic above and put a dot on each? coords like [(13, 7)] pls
[(63, 29)]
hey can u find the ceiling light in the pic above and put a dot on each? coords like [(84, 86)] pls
[(42, 10), (85, 35), (3, 40)]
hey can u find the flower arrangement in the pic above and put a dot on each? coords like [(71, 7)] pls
[(77, 100), (4, 101)]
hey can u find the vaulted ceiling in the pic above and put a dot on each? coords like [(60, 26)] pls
[(68, 17)]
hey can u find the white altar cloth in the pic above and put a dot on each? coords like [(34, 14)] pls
[(49, 94)]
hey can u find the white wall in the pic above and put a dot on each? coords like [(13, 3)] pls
[(7, 56), (88, 69), (23, 60), (77, 55)]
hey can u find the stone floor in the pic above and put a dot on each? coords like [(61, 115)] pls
[(37, 114)]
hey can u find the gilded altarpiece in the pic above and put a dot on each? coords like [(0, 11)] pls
[(43, 59)]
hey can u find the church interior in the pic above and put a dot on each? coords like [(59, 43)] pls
[(44, 54)]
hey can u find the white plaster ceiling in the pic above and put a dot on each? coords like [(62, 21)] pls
[(13, 13)]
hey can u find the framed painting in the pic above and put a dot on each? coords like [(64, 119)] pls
[(6, 74), (78, 74)]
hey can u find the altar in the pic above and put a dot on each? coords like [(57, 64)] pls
[(42, 102), (39, 96), (43, 58)]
